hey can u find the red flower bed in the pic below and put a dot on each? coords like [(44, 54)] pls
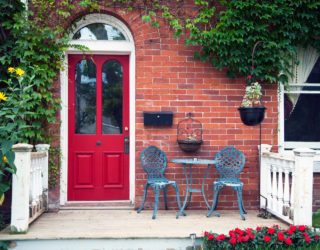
[(295, 237)]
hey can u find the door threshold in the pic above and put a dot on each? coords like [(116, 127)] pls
[(97, 205)]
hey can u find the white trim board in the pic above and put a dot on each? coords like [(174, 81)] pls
[(99, 47)]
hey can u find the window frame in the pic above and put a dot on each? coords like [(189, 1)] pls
[(289, 145)]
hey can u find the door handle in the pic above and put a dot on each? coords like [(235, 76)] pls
[(126, 145), (98, 143)]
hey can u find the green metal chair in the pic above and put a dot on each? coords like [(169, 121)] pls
[(230, 163), (154, 163)]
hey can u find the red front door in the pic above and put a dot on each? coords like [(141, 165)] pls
[(98, 156)]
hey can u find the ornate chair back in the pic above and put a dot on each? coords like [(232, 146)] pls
[(153, 162), (230, 163)]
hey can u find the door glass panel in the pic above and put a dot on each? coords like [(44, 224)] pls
[(112, 97), (85, 99)]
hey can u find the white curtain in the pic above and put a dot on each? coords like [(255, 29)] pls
[(306, 57)]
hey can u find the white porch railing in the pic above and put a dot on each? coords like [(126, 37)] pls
[(286, 184), (29, 185)]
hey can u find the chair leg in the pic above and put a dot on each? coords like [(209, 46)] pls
[(165, 198), (239, 198), (242, 205), (144, 198), (178, 200), (156, 201), (216, 190)]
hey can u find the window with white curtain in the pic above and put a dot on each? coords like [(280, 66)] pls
[(300, 103)]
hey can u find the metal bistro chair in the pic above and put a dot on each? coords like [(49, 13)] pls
[(230, 163), (154, 163)]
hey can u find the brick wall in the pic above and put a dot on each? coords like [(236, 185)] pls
[(168, 78)]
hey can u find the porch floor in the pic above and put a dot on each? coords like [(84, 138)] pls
[(118, 224)]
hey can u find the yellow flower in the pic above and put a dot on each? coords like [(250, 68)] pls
[(11, 70), (1, 199), (3, 96), (5, 159), (19, 72)]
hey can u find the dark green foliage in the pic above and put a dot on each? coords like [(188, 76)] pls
[(280, 25), (37, 51)]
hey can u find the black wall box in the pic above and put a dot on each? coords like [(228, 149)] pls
[(157, 118)]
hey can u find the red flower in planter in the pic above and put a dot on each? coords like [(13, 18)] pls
[(233, 241), (267, 238), (271, 230), (251, 236), (258, 228), (302, 228), (206, 233), (288, 241), (221, 237), (239, 231), (210, 237), (292, 228), (245, 238), (316, 237), (239, 238), (280, 236), (248, 230), (307, 239)]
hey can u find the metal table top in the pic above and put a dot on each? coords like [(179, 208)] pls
[(194, 161)]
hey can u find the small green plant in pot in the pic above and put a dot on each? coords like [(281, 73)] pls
[(252, 96), (251, 110)]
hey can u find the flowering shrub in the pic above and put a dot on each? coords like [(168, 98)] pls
[(295, 237), (15, 95)]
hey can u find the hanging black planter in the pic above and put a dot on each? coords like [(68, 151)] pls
[(251, 116)]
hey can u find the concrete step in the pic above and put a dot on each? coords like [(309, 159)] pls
[(98, 205)]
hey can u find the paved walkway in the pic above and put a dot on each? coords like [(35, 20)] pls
[(97, 224)]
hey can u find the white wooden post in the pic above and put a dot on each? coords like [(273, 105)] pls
[(45, 170), (20, 188), (303, 185), (264, 175)]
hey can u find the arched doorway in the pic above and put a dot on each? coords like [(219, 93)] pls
[(98, 113)]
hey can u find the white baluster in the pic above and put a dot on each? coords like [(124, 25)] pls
[(292, 193), (274, 188), (44, 171), (38, 187), (33, 186), (286, 197), (280, 189), (31, 183), (269, 186)]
